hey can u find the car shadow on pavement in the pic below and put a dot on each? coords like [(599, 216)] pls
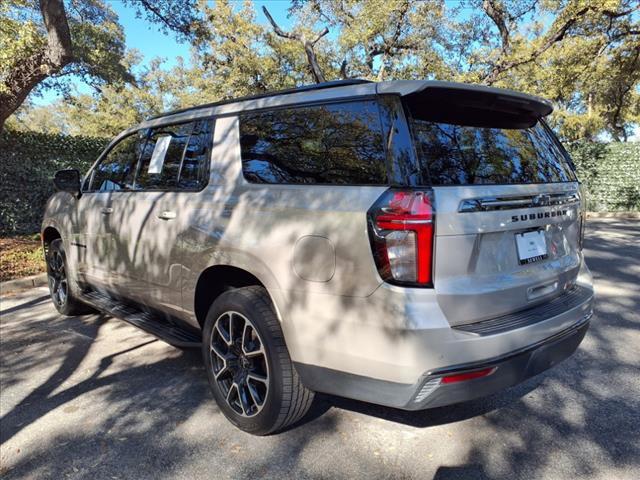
[(426, 418), (28, 304)]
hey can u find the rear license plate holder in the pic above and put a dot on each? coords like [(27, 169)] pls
[(531, 246)]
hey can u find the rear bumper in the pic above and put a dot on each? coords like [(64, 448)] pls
[(429, 392), (510, 370)]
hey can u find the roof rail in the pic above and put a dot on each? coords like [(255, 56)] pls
[(303, 88)]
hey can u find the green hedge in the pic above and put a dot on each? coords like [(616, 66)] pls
[(611, 173), (28, 161)]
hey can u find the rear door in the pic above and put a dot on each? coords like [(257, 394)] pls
[(508, 213)]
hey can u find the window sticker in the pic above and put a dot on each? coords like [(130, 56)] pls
[(159, 152)]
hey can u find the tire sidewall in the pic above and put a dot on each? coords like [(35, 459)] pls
[(58, 246), (265, 421)]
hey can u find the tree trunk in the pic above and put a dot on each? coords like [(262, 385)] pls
[(40, 65)]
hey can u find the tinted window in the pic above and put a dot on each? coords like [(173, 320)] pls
[(175, 157), (460, 155), (161, 157), (117, 169), (195, 163), (327, 144), (404, 167)]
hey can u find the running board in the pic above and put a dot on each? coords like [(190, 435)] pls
[(155, 325)]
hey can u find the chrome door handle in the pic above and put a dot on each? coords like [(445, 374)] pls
[(107, 210), (167, 215)]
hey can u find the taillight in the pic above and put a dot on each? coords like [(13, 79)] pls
[(401, 231), (463, 377)]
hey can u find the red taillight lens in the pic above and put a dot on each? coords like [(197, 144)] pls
[(462, 377), (401, 232)]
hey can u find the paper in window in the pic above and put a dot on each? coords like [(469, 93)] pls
[(159, 152)]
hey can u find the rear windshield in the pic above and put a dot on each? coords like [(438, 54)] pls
[(455, 154)]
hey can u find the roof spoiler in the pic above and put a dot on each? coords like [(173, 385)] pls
[(471, 105)]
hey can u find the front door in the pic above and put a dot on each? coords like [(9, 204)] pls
[(93, 238), (173, 167), (100, 255)]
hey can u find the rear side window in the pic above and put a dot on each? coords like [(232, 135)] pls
[(117, 169), (466, 155), (334, 144)]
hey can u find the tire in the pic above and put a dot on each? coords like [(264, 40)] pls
[(253, 380), (62, 292)]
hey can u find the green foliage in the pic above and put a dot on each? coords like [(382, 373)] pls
[(611, 174), (178, 16), (28, 161), (97, 41), (119, 106), (20, 36), (583, 55), (588, 156)]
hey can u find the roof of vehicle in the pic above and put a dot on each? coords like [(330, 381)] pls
[(343, 89), (275, 93)]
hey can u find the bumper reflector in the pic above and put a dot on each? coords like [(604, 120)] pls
[(427, 389), (462, 377)]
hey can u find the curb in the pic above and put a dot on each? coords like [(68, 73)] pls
[(33, 281), (613, 214)]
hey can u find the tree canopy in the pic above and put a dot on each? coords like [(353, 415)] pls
[(584, 55)]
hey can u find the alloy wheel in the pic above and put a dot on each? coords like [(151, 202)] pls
[(239, 363), (58, 283)]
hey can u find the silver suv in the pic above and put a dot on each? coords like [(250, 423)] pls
[(408, 243)]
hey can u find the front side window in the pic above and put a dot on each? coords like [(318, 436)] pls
[(334, 144), (175, 157), (117, 169), (195, 162), (161, 157)]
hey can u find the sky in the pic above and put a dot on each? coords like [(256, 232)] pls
[(147, 38)]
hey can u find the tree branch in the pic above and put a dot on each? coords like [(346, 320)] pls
[(322, 34), (42, 64), (497, 14), (308, 45), (278, 31), (343, 70), (556, 37), (168, 22)]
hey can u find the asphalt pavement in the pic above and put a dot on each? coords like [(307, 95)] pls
[(93, 397)]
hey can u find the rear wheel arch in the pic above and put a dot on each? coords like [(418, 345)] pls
[(217, 279)]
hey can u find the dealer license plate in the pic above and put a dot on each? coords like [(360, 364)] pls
[(532, 246)]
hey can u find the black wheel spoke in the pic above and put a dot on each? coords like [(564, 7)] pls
[(239, 363), (244, 396), (224, 332), (255, 395)]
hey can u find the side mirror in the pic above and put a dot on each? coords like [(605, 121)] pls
[(67, 181)]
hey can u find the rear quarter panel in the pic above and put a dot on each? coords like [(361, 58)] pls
[(296, 239)]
